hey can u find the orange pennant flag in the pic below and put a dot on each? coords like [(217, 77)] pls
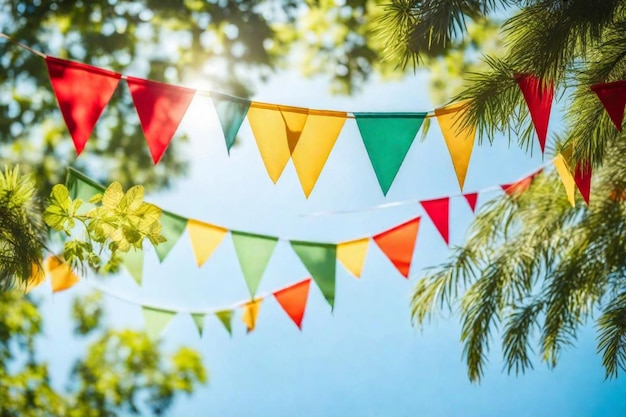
[(520, 186), (398, 244), (205, 238), (315, 144), (294, 118), (61, 275), (37, 276), (352, 255), (459, 139), (567, 178), (250, 313), (293, 300)]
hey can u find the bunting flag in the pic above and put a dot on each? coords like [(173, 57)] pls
[(293, 300), (133, 262), (198, 320), (459, 138), (438, 210), (231, 111), (398, 244), (472, 199), (82, 92), (156, 320), (254, 253), (295, 119), (520, 186), (538, 95), (250, 313), (161, 108), (205, 238), (582, 177), (270, 132), (387, 138), (352, 255), (226, 317), (613, 98), (37, 277), (566, 177), (61, 275), (173, 227), (81, 186), (320, 259), (315, 144)]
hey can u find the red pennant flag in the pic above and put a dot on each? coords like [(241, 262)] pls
[(582, 177), (438, 211), (293, 300), (520, 186), (613, 97), (539, 98), (82, 92), (472, 199), (161, 108), (398, 244)]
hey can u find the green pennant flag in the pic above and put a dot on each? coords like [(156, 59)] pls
[(133, 262), (226, 317), (81, 186), (173, 227), (231, 112), (156, 320), (387, 138), (198, 320), (320, 259), (254, 253)]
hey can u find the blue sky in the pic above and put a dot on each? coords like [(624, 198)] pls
[(365, 358)]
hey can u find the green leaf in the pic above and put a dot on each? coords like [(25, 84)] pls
[(112, 195)]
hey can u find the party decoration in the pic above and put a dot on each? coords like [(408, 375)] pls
[(226, 317), (198, 320), (566, 177), (161, 108), (61, 275), (438, 211), (472, 199), (320, 259), (519, 186), (582, 177), (293, 300), (156, 320), (82, 92), (270, 132), (352, 255), (387, 138), (458, 137), (81, 186), (37, 277), (250, 313), (133, 262), (173, 227), (205, 238), (231, 111), (315, 144), (613, 98), (538, 95), (398, 244), (254, 253), (295, 119)]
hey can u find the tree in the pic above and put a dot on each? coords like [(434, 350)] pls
[(532, 263)]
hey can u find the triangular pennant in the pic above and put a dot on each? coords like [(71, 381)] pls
[(226, 318), (320, 259), (161, 108), (315, 144), (172, 227), (37, 276), (231, 111), (61, 275), (387, 138), (295, 119), (352, 255), (156, 320), (438, 210), (254, 253), (459, 138), (81, 186), (82, 92), (133, 262), (398, 244), (582, 177), (472, 199), (538, 95), (566, 178), (613, 98), (270, 134), (205, 238), (250, 313), (520, 186), (198, 320), (293, 300)]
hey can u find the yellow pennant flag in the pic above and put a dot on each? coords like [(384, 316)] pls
[(270, 132), (566, 178), (250, 313), (61, 275), (316, 141), (37, 276), (295, 118), (205, 238), (352, 255), (460, 141)]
